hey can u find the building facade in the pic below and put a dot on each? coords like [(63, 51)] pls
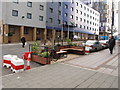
[(22, 19), (105, 8), (47, 20), (74, 19)]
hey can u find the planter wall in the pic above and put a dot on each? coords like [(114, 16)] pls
[(41, 60)]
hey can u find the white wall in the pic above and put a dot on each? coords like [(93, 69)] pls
[(88, 18)]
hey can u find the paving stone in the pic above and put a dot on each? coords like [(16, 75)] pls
[(105, 85), (86, 83)]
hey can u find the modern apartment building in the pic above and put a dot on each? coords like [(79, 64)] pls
[(73, 18), (104, 7), (47, 20), (20, 19)]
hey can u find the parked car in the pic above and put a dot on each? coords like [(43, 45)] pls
[(104, 43), (93, 44)]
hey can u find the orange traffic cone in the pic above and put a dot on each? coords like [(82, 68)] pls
[(28, 63)]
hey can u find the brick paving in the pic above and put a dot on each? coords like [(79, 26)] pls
[(74, 73)]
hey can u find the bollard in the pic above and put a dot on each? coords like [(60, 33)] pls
[(28, 62), (87, 50)]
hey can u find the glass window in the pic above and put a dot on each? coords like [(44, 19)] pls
[(51, 20), (84, 14), (71, 16), (51, 10), (72, 9), (76, 18), (41, 7), (15, 1), (59, 3), (26, 30), (90, 28), (80, 19), (12, 29), (72, 1), (87, 27), (81, 5), (91, 11), (59, 21), (59, 12), (81, 12), (87, 21), (77, 3), (29, 15), (66, 6), (66, 14), (80, 26), (90, 22), (84, 27), (88, 9), (84, 20), (84, 8), (41, 18), (14, 13), (76, 10), (87, 15), (29, 4)]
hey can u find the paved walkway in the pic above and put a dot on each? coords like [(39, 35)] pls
[(97, 70), (67, 75)]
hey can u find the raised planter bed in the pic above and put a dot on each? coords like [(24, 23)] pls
[(40, 59), (73, 49)]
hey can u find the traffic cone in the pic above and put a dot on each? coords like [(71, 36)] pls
[(28, 63)]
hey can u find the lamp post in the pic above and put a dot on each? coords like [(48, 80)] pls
[(68, 32)]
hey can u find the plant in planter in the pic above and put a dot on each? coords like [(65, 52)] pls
[(37, 56), (45, 54), (36, 48), (74, 44), (69, 42), (43, 58)]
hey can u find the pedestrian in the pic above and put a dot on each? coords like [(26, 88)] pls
[(23, 41), (111, 44)]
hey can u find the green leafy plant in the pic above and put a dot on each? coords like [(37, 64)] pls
[(69, 42), (45, 54), (74, 44), (36, 47)]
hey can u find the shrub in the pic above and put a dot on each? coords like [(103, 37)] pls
[(36, 47), (69, 42), (45, 54), (74, 44)]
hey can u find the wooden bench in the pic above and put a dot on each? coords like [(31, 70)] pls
[(61, 54)]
